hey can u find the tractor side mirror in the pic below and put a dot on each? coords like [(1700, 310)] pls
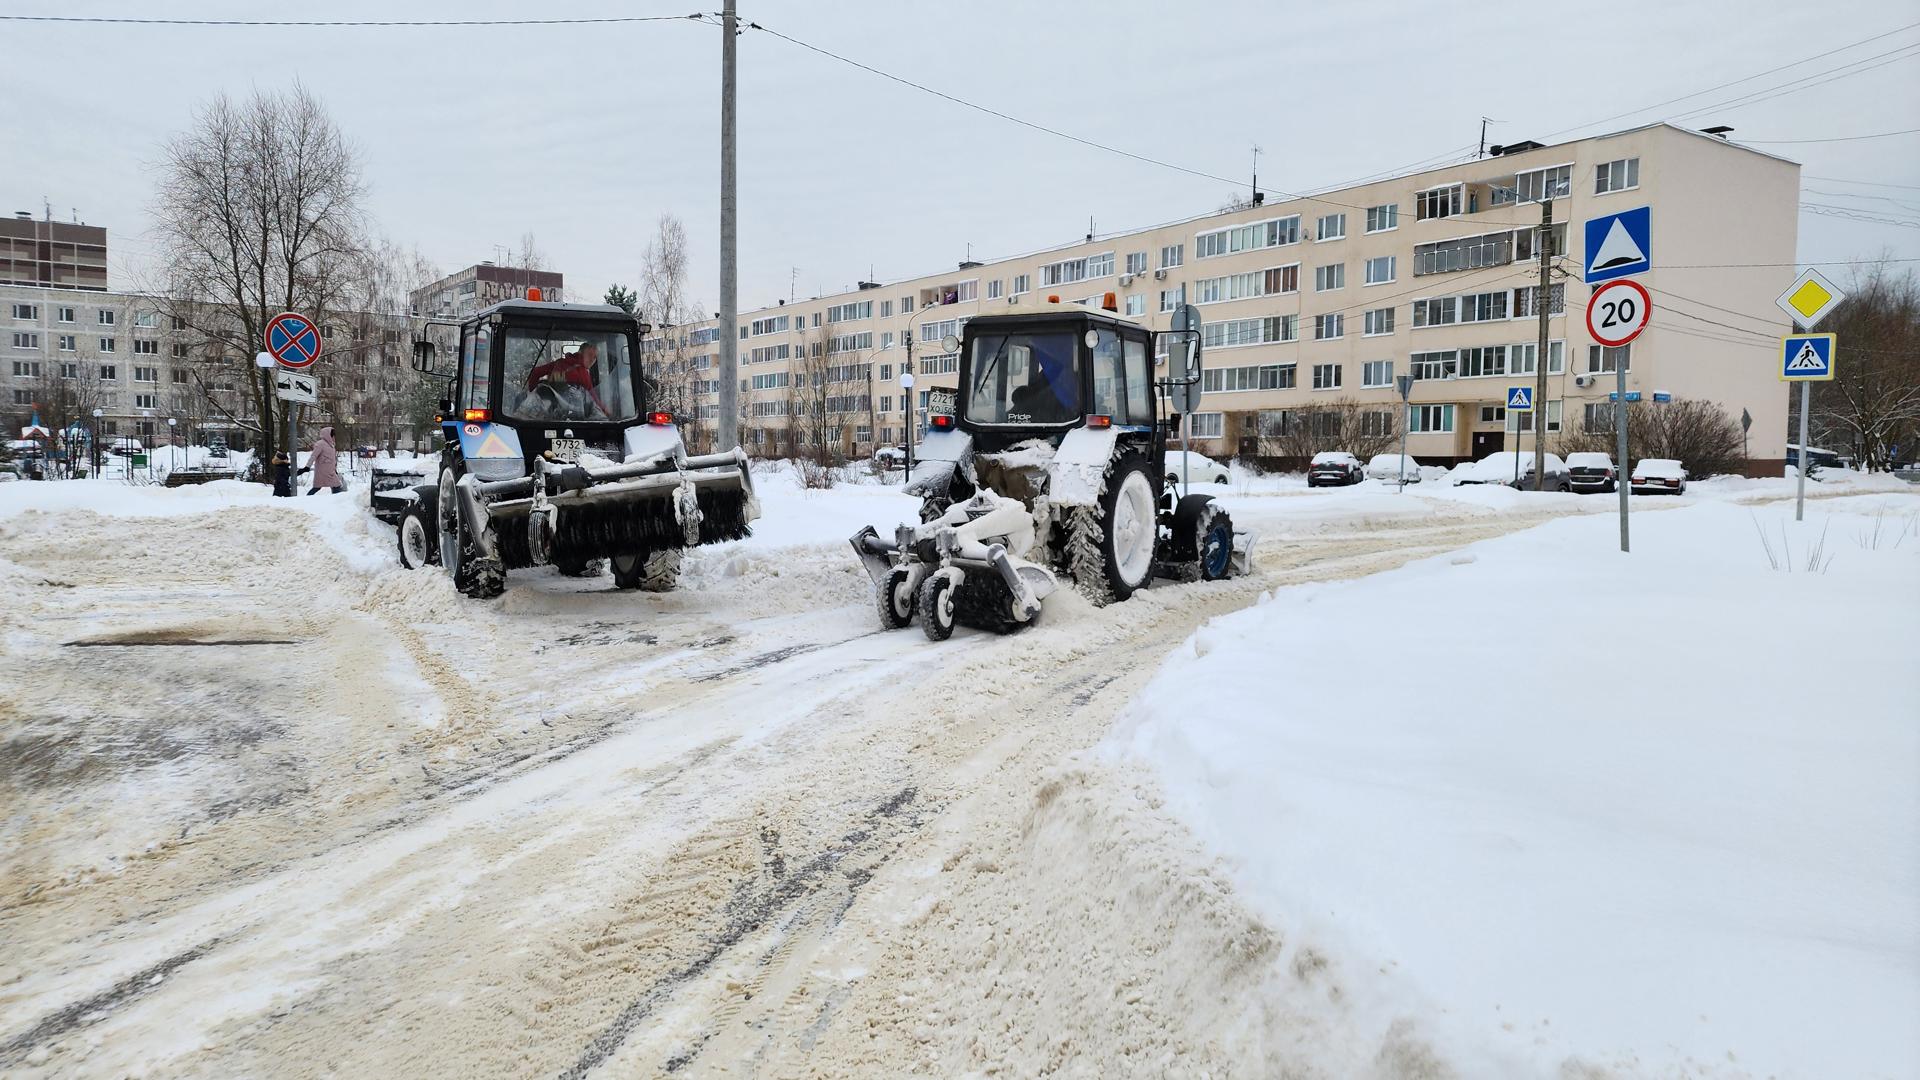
[(423, 357), (446, 406)]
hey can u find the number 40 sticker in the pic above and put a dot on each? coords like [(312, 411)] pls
[(1618, 311)]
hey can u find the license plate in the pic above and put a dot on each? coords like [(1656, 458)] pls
[(566, 449)]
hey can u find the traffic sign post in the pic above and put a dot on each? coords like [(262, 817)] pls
[(293, 386), (1616, 313), (1519, 400), (1405, 385), (1806, 359), (293, 341)]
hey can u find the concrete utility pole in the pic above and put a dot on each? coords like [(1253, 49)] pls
[(1542, 303), (729, 427)]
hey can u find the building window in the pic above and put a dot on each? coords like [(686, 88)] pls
[(1260, 234), (906, 304), (966, 292), (1376, 373), (1252, 377), (1523, 301), (858, 309), (109, 372), (23, 397), (1068, 271), (1329, 278), (1463, 253), (1535, 185), (1172, 298), (178, 323), (993, 289), (1437, 419), (1383, 218), (146, 347), (1523, 354), (1523, 241), (1440, 202), (886, 309), (106, 318), (1328, 327), (886, 372), (64, 314), (1137, 304), (146, 374), (1326, 376), (1330, 227), (148, 319), (179, 376), (1616, 176), (26, 311), (1136, 262), (26, 369), (1380, 270), (1597, 416), (1434, 365), (179, 351), (1173, 255), (1207, 425), (886, 340), (26, 341), (69, 370), (143, 401), (1022, 283), (1376, 424), (1609, 358), (1493, 414), (1379, 321), (1523, 421), (1233, 333)]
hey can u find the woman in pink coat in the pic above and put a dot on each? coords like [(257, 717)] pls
[(321, 462)]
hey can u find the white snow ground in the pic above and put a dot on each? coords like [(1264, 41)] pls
[(729, 830), (1656, 812)]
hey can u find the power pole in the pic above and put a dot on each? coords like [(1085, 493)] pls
[(729, 433), (1541, 302)]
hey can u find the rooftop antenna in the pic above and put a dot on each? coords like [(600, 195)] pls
[(48, 204), (1089, 228), (1484, 121), (1256, 199), (793, 278)]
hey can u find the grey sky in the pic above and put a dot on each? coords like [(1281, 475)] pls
[(584, 135)]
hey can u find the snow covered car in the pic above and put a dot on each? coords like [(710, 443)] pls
[(891, 457), (1591, 472), (1387, 468), (1199, 468), (1334, 468), (1501, 468), (1656, 476)]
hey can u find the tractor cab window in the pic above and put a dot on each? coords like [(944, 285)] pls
[(475, 365), (1024, 378), (1121, 380), (563, 374)]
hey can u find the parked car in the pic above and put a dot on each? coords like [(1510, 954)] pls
[(1334, 468), (1501, 468), (1592, 472), (1388, 469), (1659, 476), (1817, 459), (891, 457), (1200, 468), (125, 444)]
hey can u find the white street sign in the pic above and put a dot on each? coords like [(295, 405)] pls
[(295, 387), (1810, 298)]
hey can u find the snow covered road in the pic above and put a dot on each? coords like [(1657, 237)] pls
[(365, 827)]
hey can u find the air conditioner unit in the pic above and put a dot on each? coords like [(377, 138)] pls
[(1583, 380), (1126, 280), (1013, 299), (1160, 274)]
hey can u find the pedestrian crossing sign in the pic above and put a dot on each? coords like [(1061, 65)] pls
[(1806, 357), (1520, 399)]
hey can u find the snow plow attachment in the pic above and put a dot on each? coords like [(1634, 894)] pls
[(573, 513)]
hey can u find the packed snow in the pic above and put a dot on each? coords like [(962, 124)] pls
[(1628, 815)]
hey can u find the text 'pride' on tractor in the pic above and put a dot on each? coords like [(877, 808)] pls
[(1048, 463), (550, 455)]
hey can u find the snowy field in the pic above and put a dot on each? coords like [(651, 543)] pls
[(1374, 811)]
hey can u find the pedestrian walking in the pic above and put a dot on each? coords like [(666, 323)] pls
[(321, 461)]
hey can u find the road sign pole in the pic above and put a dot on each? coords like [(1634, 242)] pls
[(1800, 480), (1620, 434), (1540, 359), (1405, 385)]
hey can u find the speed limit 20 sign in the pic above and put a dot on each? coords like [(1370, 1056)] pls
[(1618, 311)]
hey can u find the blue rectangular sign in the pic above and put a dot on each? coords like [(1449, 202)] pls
[(1806, 357), (1520, 399), (1619, 245), (1632, 396)]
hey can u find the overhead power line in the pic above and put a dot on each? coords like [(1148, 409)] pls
[(350, 22), (1841, 138)]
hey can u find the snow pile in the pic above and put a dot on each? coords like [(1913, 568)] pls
[(1661, 839)]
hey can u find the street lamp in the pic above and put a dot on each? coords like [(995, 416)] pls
[(906, 397), (173, 457), (97, 414)]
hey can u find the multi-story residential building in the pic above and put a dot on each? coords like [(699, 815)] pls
[(1318, 301), (52, 254), (67, 352), (466, 291)]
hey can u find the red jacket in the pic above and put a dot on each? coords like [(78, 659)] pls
[(573, 369)]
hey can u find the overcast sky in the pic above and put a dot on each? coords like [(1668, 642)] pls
[(585, 135)]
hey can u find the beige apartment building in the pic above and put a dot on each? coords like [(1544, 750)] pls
[(1314, 305)]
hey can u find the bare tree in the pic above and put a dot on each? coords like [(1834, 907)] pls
[(1295, 435), (1698, 434), (664, 301), (258, 212), (1872, 404), (831, 388)]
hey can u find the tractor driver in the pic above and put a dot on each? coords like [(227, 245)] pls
[(567, 386)]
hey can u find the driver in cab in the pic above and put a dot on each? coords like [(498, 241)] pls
[(564, 387)]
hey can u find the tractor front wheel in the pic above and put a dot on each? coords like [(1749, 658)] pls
[(895, 600), (936, 607), (481, 579)]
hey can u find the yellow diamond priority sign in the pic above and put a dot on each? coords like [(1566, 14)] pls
[(1810, 298)]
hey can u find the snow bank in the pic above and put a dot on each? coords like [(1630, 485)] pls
[(1663, 839)]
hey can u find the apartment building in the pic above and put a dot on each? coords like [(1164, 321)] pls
[(66, 352), (1314, 305), (52, 254), (481, 285)]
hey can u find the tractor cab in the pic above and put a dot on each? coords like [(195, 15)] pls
[(1043, 375), (551, 455)]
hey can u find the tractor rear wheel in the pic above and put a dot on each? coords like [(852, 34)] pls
[(655, 571), (417, 545), (1111, 547)]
